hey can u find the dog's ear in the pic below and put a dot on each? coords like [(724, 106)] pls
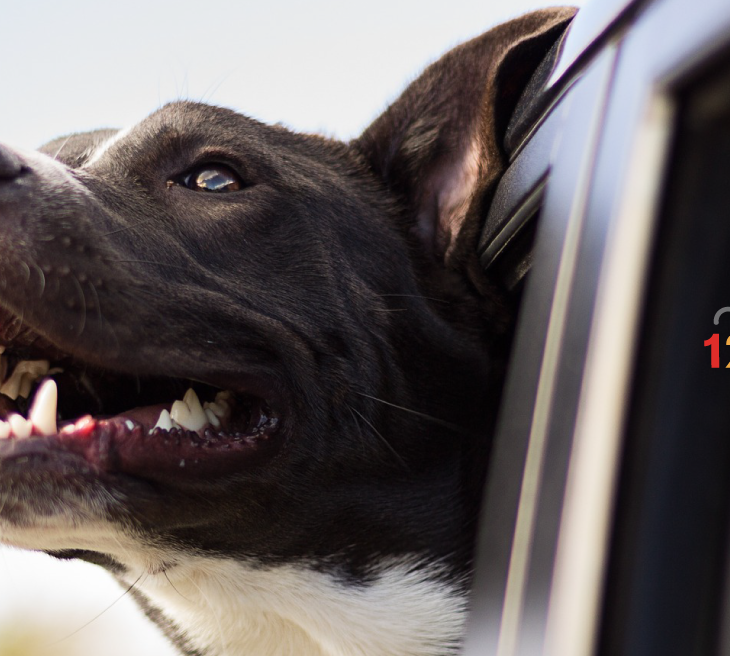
[(439, 146)]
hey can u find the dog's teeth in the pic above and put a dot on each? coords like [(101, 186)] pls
[(26, 385), (191, 400), (221, 404), (196, 409), (164, 421), (216, 409), (19, 426), (212, 419), (188, 412), (35, 368), (11, 386), (2, 349), (180, 414), (4, 430), (23, 377), (43, 411)]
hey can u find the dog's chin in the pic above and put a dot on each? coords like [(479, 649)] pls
[(60, 414)]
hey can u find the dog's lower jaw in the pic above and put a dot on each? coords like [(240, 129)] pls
[(228, 608)]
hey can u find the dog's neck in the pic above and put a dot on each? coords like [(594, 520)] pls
[(226, 608)]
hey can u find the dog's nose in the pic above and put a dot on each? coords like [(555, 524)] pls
[(11, 166)]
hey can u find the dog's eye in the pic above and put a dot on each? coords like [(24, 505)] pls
[(212, 177)]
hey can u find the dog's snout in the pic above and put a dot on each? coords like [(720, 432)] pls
[(11, 164)]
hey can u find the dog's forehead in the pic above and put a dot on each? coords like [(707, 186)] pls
[(200, 119), (178, 127)]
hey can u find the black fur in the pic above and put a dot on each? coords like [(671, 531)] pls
[(332, 285)]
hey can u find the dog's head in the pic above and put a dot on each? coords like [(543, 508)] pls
[(318, 297)]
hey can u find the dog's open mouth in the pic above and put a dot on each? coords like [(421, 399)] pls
[(145, 426)]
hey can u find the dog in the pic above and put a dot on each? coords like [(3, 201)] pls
[(254, 373)]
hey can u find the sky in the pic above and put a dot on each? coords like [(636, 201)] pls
[(322, 65), (325, 66)]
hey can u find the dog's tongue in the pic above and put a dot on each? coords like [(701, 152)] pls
[(187, 413), (147, 416), (216, 438), (42, 413), (134, 442)]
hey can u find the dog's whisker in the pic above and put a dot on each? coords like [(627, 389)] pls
[(425, 298), (359, 428), (389, 446), (186, 84), (212, 607), (61, 147), (126, 228), (213, 88), (122, 547), (82, 298), (172, 585), (96, 617), (103, 322), (96, 302), (156, 263), (435, 420)]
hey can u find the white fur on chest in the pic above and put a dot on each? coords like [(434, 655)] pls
[(226, 608)]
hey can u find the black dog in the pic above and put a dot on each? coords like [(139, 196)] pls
[(317, 492)]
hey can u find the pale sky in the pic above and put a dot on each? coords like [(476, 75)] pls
[(322, 65)]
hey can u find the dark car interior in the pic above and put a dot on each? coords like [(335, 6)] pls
[(605, 519)]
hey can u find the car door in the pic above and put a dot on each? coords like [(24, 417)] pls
[(604, 525)]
